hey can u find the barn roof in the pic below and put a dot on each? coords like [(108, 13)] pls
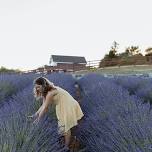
[(72, 59)]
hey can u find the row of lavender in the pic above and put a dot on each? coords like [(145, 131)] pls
[(116, 120), (18, 133), (10, 84), (139, 86)]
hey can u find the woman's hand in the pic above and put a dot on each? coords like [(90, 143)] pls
[(36, 121), (33, 116)]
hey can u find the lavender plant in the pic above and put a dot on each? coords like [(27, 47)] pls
[(18, 133), (12, 83), (114, 121), (138, 86), (131, 83)]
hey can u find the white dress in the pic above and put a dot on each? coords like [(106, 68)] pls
[(68, 110)]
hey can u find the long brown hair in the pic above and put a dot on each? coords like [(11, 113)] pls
[(45, 86)]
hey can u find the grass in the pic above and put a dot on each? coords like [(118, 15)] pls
[(131, 69)]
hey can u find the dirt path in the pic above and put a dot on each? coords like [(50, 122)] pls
[(75, 145)]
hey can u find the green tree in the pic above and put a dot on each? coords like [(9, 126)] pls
[(113, 51), (6, 70), (148, 51), (133, 50)]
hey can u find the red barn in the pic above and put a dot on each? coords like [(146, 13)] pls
[(67, 63)]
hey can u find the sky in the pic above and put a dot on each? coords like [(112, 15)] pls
[(33, 30)]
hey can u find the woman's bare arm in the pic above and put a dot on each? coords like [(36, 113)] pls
[(37, 112), (44, 108)]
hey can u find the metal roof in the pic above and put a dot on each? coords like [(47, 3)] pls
[(72, 59)]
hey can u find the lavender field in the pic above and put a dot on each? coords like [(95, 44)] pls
[(117, 113)]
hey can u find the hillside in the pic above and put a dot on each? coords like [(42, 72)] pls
[(130, 69)]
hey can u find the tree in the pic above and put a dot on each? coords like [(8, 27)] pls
[(133, 50), (111, 54), (123, 54), (113, 51), (148, 51), (106, 56), (114, 48), (5, 70)]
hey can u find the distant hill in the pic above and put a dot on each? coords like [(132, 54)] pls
[(6, 70)]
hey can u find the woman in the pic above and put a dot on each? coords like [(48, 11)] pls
[(68, 111)]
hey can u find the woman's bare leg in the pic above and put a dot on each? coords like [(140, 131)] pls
[(67, 138)]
